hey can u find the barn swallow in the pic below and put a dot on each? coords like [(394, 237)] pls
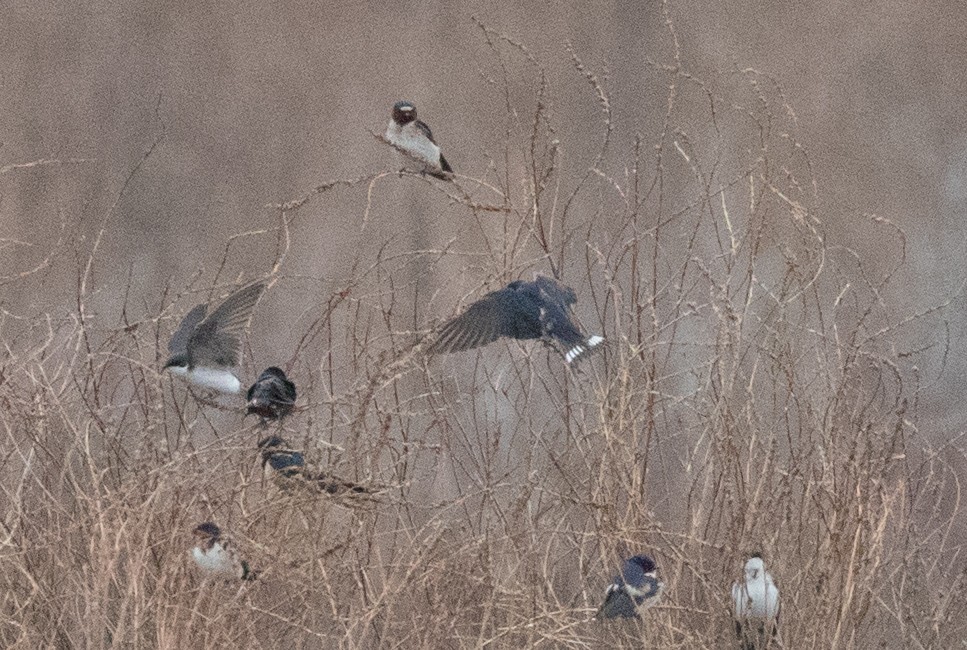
[(288, 468), (414, 137), (272, 395), (216, 554), (521, 310), (638, 586)]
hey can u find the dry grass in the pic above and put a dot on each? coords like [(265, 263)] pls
[(758, 393)]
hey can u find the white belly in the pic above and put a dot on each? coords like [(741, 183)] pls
[(219, 380), (215, 561), (415, 144)]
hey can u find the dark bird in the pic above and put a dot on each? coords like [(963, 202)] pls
[(414, 138), (272, 396), (637, 586), (203, 350), (521, 310), (288, 468), (755, 606), (216, 554)]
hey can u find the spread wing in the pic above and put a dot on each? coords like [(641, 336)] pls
[(484, 322), (179, 341), (217, 339)]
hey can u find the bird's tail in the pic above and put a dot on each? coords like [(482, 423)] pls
[(333, 485), (583, 348), (247, 573)]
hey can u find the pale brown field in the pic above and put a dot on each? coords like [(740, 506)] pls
[(775, 379)]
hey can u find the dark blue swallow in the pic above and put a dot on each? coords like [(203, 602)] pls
[(272, 396), (521, 310), (637, 586), (288, 467)]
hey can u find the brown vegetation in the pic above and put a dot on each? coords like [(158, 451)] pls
[(758, 392)]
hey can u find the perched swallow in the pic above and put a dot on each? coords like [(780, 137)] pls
[(272, 395), (217, 555), (756, 606), (414, 137), (637, 586), (204, 349), (288, 467), (521, 310)]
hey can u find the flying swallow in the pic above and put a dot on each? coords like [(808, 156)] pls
[(414, 138), (288, 468), (216, 554), (755, 606), (272, 395), (638, 586), (521, 310), (205, 348)]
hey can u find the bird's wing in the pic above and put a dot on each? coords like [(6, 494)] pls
[(424, 129), (217, 339), (772, 598), (283, 390), (287, 462), (179, 340), (484, 322), (444, 165), (739, 600), (617, 603)]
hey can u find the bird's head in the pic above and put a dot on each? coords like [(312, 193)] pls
[(754, 567), (271, 445), (645, 562), (207, 530), (404, 112), (177, 364), (272, 371)]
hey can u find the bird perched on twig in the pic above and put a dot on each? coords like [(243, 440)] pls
[(414, 138), (216, 554), (204, 349), (288, 467), (636, 587), (521, 310), (272, 396), (755, 606)]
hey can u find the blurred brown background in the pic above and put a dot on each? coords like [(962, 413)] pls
[(259, 102), (246, 105)]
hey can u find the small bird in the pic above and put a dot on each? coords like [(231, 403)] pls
[(204, 349), (756, 606), (521, 310), (217, 556), (272, 395), (637, 586), (414, 138), (288, 467)]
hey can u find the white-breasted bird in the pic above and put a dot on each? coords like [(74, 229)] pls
[(204, 349), (755, 603), (415, 138), (637, 587), (216, 554)]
